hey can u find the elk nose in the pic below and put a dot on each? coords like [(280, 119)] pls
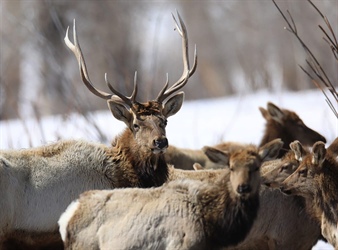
[(161, 143), (244, 188)]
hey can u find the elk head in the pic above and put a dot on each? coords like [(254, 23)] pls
[(288, 126), (244, 165), (281, 169), (311, 164), (145, 120)]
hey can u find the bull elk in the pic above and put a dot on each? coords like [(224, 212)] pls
[(38, 184)]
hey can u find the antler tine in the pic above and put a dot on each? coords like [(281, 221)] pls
[(164, 88), (125, 99), (133, 95), (187, 72), (76, 49), (128, 100)]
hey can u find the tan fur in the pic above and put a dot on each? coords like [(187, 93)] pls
[(182, 214), (316, 181)]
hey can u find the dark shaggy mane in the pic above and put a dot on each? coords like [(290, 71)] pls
[(148, 176), (241, 218)]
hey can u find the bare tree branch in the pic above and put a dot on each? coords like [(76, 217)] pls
[(321, 77)]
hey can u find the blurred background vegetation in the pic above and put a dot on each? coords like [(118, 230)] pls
[(242, 47)]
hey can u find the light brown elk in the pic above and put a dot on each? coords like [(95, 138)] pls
[(38, 184), (316, 181), (182, 214), (283, 168), (271, 230), (280, 123)]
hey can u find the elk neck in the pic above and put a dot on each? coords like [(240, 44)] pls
[(224, 208), (151, 170)]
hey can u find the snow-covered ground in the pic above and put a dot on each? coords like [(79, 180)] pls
[(198, 123)]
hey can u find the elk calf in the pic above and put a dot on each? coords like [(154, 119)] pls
[(316, 180), (182, 214), (38, 184)]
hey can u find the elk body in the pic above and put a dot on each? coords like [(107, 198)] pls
[(182, 214), (38, 184), (316, 181), (280, 123)]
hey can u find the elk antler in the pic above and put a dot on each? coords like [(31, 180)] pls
[(76, 49), (187, 72)]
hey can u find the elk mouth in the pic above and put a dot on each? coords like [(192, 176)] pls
[(158, 150), (285, 191), (160, 146), (271, 184)]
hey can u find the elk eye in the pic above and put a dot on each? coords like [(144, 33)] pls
[(255, 169), (285, 167), (302, 172), (163, 124), (136, 126)]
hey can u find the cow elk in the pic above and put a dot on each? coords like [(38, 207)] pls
[(286, 124), (271, 230), (280, 123), (182, 214), (316, 181), (38, 184)]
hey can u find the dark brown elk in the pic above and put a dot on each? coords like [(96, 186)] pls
[(182, 214), (287, 125), (316, 181), (280, 123), (38, 184)]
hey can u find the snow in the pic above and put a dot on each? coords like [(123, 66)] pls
[(198, 123)]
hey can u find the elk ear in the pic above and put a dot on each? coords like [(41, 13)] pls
[(298, 150), (120, 112), (216, 156), (275, 112), (173, 105), (197, 166), (265, 113), (270, 150), (318, 153)]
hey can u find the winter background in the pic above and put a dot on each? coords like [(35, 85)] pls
[(198, 123), (246, 59)]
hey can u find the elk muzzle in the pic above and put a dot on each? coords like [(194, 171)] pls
[(160, 145), (243, 189)]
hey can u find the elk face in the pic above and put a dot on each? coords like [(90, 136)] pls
[(279, 173), (284, 167), (301, 181), (245, 175), (244, 165), (148, 121)]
